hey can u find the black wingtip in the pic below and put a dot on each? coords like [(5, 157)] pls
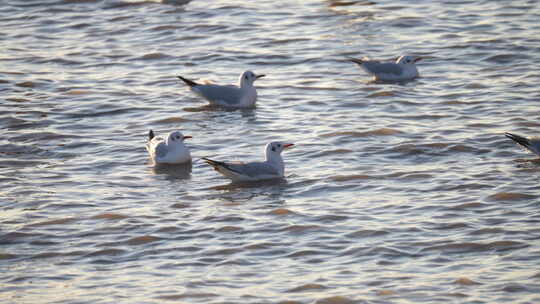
[(151, 135), (357, 61), (518, 139), (189, 82), (212, 163)]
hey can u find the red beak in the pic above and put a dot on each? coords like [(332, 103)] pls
[(417, 59), (287, 145), (186, 137)]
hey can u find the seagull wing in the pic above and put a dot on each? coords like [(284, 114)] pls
[(161, 150), (256, 170), (230, 95), (376, 67), (244, 171)]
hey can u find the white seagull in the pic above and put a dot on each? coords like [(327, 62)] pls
[(168, 151), (229, 96), (403, 69), (272, 168), (531, 144)]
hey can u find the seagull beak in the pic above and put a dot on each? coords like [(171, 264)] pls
[(187, 136), (285, 146), (259, 76), (417, 59)]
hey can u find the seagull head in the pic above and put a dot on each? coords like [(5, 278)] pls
[(176, 137), (408, 59), (248, 78), (276, 147)]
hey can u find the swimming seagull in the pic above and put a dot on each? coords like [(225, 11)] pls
[(169, 151), (403, 69), (532, 144), (272, 168), (229, 96)]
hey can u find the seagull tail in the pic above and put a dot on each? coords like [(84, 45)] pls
[(217, 164), (189, 82), (519, 139), (213, 163), (357, 61), (151, 135)]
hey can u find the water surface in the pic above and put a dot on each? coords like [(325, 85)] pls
[(394, 193)]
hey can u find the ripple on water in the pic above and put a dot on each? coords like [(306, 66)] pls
[(506, 58), (300, 229), (381, 94), (386, 292), (26, 84), (229, 229), (187, 296), (282, 211), (454, 248), (336, 300), (509, 196), (171, 120), (494, 231), (43, 243), (331, 152), (110, 216), (107, 252), (378, 132), (142, 240), (154, 56), (307, 287), (353, 177), (8, 256), (466, 282), (366, 233), (62, 221)]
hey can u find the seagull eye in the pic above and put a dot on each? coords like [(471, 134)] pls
[(177, 136), (279, 145)]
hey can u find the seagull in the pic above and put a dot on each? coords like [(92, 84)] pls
[(532, 144), (169, 151), (229, 96), (272, 168), (403, 69)]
